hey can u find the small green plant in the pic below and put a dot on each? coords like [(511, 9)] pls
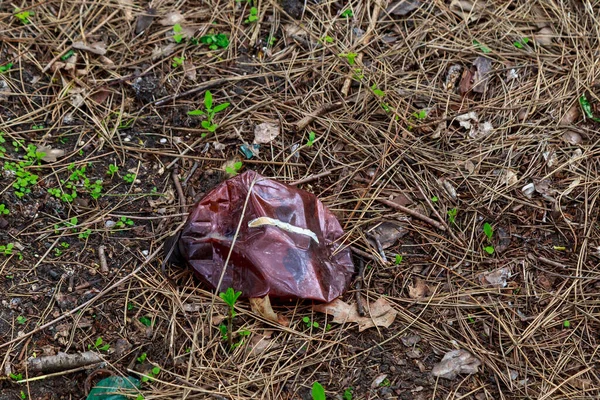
[(482, 47), (317, 392), (398, 259), (566, 324), (434, 199), (123, 222), (130, 306), (421, 114), (326, 39), (348, 393), (311, 139), (253, 16), (177, 35), (23, 395), (67, 55), (489, 232), (377, 92), (358, 75), (452, 213), (385, 383), (146, 321), (519, 44), (140, 397), (347, 14), (23, 16), (271, 41), (95, 188), (209, 112), (21, 320), (230, 297), (85, 234), (4, 210), (129, 178), (587, 108), (350, 57), (153, 373), (233, 170), (37, 127), (7, 250), (16, 377), (309, 323), (5, 68), (24, 178), (99, 345), (177, 61), (112, 170), (215, 41), (142, 358), (58, 251)]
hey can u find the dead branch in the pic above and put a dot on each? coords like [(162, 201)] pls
[(63, 361), (413, 213)]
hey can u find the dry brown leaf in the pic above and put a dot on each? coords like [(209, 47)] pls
[(217, 319), (496, 278), (570, 116), (380, 313), (50, 154), (127, 7), (466, 9), (95, 48), (572, 137), (172, 18), (144, 20), (189, 70), (266, 132), (403, 7), (159, 52), (465, 82), (456, 362), (100, 96), (544, 36), (262, 307), (388, 233), (483, 67), (419, 290)]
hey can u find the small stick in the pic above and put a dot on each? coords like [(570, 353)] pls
[(71, 282), (194, 168), (177, 183), (310, 178), (324, 109), (363, 253), (63, 361), (550, 262), (413, 213), (359, 281), (103, 264)]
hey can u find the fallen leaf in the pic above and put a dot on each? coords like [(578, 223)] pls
[(528, 190), (570, 116), (127, 7), (259, 343), (456, 362), (572, 137), (217, 319), (378, 380), (292, 30), (262, 307), (95, 48), (419, 290), (403, 7), (159, 52), (466, 9), (381, 313), (172, 18), (144, 20), (454, 74), (388, 233), (189, 70), (51, 155), (544, 36), (465, 82), (480, 78), (266, 132), (100, 96), (410, 340), (496, 278)]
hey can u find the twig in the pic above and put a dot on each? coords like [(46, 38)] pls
[(310, 178), (437, 214), (413, 213), (324, 109), (102, 256), (550, 262), (363, 253), (191, 173), (359, 281), (177, 183), (63, 361)]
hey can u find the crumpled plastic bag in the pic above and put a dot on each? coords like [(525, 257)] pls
[(286, 247)]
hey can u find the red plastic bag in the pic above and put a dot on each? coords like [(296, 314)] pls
[(286, 247)]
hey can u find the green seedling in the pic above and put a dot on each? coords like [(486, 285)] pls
[(123, 222), (566, 324), (386, 107), (311, 139), (421, 114), (233, 170), (309, 323), (16, 377), (37, 127), (350, 57), (489, 232), (317, 392), (145, 321), (85, 234), (242, 334), (153, 373), (140, 397), (142, 358), (326, 39), (377, 92), (99, 345), (398, 259), (519, 44), (452, 213), (177, 61), (23, 395), (23, 16), (67, 55), (24, 178), (21, 320), (7, 250), (209, 112), (177, 35), (2, 141), (385, 383), (587, 108), (271, 41), (253, 16), (347, 14), (129, 178), (434, 199), (94, 188), (482, 47), (112, 170), (358, 75), (230, 297), (5, 68), (348, 393), (215, 41), (4, 210), (130, 306)]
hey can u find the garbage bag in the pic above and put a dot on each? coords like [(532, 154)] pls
[(287, 246)]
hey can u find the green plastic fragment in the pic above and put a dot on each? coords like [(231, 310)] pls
[(114, 388)]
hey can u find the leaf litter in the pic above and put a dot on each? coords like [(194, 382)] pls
[(379, 313)]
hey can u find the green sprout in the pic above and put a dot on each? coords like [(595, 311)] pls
[(377, 92), (153, 373), (7, 250), (398, 259), (326, 39), (347, 14), (129, 178), (348, 393), (519, 44), (145, 321), (489, 232), (85, 234), (385, 383), (67, 55), (5, 68), (23, 395), (209, 112), (99, 345), (421, 114), (482, 47), (350, 57), (177, 61), (123, 222), (215, 41), (317, 392), (253, 16), (16, 377), (271, 41), (21, 320), (112, 170), (23, 16), (309, 323), (452, 213), (4, 210), (311, 139), (566, 324), (177, 36), (230, 297), (233, 170), (142, 358), (587, 108), (434, 199)]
